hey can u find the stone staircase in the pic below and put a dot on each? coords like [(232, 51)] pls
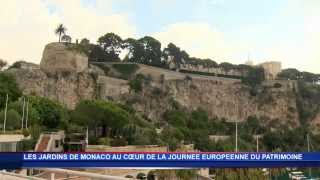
[(50, 142), (42, 143)]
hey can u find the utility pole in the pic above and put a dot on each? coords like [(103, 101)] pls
[(5, 114)]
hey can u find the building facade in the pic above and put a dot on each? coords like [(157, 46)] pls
[(271, 68)]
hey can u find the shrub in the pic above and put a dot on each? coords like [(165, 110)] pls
[(25, 132), (129, 176), (118, 142), (254, 77), (27, 145), (136, 84), (151, 175), (104, 141), (12, 121), (141, 176), (126, 70), (188, 78)]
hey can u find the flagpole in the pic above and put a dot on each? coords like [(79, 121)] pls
[(87, 136), (236, 136), (5, 114), (27, 113), (308, 141), (22, 118), (257, 136)]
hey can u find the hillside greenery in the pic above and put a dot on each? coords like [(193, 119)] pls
[(8, 86), (294, 74), (127, 71)]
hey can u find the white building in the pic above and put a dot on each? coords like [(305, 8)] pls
[(11, 142)]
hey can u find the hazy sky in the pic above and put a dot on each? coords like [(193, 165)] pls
[(224, 30)]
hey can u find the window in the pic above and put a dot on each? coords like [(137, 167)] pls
[(57, 143)]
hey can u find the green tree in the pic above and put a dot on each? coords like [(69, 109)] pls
[(33, 115), (3, 63), (175, 52), (176, 118), (184, 174), (51, 113), (111, 44), (88, 113), (103, 114), (85, 42), (253, 126), (8, 86), (13, 121), (226, 66), (172, 136), (199, 119), (135, 50), (146, 50), (151, 51), (60, 30), (96, 53), (254, 77), (137, 83), (292, 74)]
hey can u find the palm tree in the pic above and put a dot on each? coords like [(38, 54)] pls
[(60, 30)]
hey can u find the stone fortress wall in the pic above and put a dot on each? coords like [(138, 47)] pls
[(272, 69), (221, 97)]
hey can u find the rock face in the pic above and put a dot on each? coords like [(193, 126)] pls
[(57, 57), (231, 101), (65, 76), (67, 88)]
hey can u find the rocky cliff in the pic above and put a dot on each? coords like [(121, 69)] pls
[(61, 77), (229, 101)]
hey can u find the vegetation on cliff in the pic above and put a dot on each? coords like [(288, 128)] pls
[(147, 50), (308, 98), (8, 86), (294, 74)]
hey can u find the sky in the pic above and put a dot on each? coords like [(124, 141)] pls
[(223, 30)]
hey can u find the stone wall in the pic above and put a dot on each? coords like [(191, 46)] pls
[(212, 70), (272, 69), (112, 88), (57, 57), (142, 148), (220, 97)]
